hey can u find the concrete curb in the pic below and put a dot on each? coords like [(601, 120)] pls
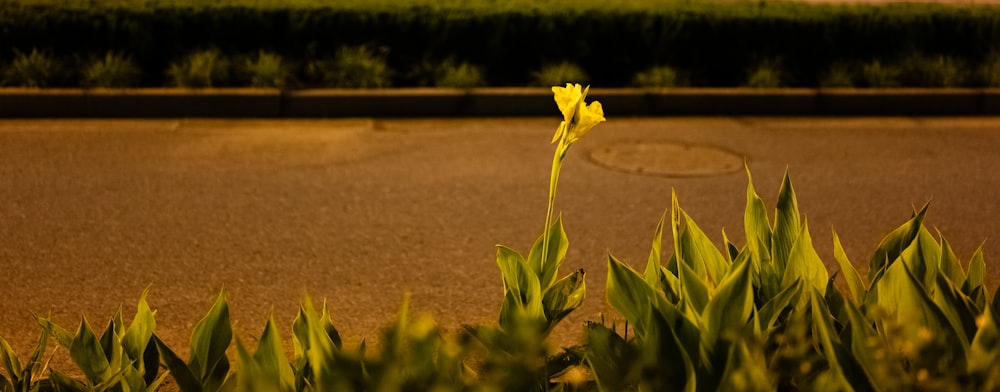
[(488, 102)]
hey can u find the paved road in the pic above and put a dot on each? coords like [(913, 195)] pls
[(361, 211)]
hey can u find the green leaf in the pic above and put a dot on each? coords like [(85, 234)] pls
[(975, 277), (984, 354), (777, 305), (186, 380), (745, 369), (268, 369), (701, 252), (209, 342), (563, 297), (558, 245), (8, 358), (924, 259), (694, 287), (804, 264), (824, 331), (893, 244), (87, 353), (136, 338), (900, 292), (950, 264), (787, 225), (62, 336), (856, 287), (523, 295), (661, 374), (959, 310), (728, 312), (611, 358), (652, 273), (755, 224), (316, 344), (867, 348), (629, 294)]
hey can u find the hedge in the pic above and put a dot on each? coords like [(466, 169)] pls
[(713, 44)]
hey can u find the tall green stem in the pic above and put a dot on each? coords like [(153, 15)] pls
[(557, 159)]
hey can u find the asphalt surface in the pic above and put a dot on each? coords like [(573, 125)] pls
[(362, 211)]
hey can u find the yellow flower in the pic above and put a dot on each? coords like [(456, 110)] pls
[(568, 98), (578, 117), (588, 116)]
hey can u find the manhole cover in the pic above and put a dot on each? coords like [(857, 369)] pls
[(667, 159)]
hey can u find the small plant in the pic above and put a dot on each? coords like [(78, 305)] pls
[(35, 69), (768, 74), (838, 75), (267, 69), (938, 71), (206, 68), (878, 75), (462, 75), (114, 70), (988, 73), (660, 76), (559, 74), (352, 67)]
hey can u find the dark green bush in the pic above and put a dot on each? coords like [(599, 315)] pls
[(933, 71), (353, 67), (559, 74), (838, 75), (34, 69), (267, 69), (461, 75), (658, 76), (768, 74), (113, 70), (878, 75), (205, 68)]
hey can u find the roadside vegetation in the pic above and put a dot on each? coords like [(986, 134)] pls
[(375, 44)]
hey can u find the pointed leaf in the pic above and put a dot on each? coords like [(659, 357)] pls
[(88, 355), (729, 310), (701, 252), (209, 342), (787, 225), (557, 247), (181, 373), (652, 273), (804, 264), (563, 297), (893, 245), (756, 226), (855, 285), (950, 265), (630, 295)]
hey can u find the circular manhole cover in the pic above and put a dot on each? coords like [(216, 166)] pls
[(667, 159)]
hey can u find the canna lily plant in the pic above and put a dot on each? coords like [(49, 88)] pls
[(532, 294)]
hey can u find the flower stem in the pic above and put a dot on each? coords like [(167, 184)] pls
[(557, 159)]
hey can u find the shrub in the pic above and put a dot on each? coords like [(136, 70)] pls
[(988, 72), (658, 76), (114, 70), (35, 69), (838, 75), (559, 74), (267, 69), (768, 74), (937, 71), (352, 67), (877, 75), (206, 68), (461, 75)]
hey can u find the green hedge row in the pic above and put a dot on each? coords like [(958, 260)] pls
[(712, 44)]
